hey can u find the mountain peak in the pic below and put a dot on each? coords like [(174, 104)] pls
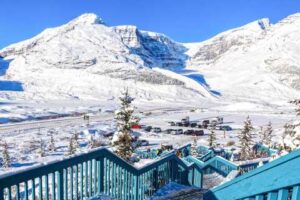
[(88, 18)]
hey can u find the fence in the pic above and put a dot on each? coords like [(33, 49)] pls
[(277, 180), (99, 171)]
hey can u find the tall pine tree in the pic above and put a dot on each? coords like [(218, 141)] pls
[(267, 135), (212, 137), (246, 140), (123, 139), (51, 147), (297, 103)]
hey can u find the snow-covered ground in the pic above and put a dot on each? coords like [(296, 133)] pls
[(24, 141), (82, 67)]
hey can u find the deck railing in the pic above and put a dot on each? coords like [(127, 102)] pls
[(99, 171), (216, 164), (277, 180)]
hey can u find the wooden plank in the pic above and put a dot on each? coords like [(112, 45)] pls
[(283, 194), (296, 193), (272, 196), (259, 197)]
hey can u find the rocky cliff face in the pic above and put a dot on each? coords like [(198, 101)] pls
[(156, 50)]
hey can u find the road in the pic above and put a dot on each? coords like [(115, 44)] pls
[(20, 127), (52, 123)]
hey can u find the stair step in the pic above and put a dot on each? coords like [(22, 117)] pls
[(190, 194)]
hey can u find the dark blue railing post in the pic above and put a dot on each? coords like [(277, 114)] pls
[(101, 174), (174, 170), (60, 184), (155, 176), (1, 193)]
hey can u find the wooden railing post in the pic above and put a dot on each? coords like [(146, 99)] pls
[(1, 193), (101, 175), (283, 194), (155, 176), (259, 197), (60, 185), (136, 187), (272, 196), (296, 193), (174, 170)]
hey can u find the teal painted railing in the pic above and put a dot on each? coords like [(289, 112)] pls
[(99, 171), (276, 180), (216, 164)]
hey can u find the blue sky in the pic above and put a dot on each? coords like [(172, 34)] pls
[(182, 20)]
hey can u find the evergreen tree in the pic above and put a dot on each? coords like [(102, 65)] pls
[(51, 147), (71, 148), (212, 137), (5, 156), (267, 135), (246, 140), (297, 103), (123, 139), (41, 150), (75, 141), (194, 148), (289, 132)]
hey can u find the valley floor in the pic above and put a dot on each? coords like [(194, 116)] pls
[(24, 138)]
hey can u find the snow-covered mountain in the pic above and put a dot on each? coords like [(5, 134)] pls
[(258, 62), (86, 59)]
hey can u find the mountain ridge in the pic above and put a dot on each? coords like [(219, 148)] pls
[(124, 56)]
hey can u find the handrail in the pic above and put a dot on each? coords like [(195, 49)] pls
[(273, 179), (98, 171)]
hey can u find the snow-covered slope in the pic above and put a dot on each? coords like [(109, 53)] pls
[(86, 59), (256, 62)]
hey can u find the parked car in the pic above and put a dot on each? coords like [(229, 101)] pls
[(143, 142), (168, 131), (205, 122), (136, 126), (156, 130), (148, 128), (224, 128), (193, 124), (200, 126), (186, 119), (177, 132), (143, 126), (198, 132), (179, 124), (186, 124), (188, 132), (213, 123), (172, 123)]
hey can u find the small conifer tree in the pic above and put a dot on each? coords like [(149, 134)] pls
[(267, 135), (246, 140), (71, 148), (41, 149), (123, 139), (51, 147), (212, 137)]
